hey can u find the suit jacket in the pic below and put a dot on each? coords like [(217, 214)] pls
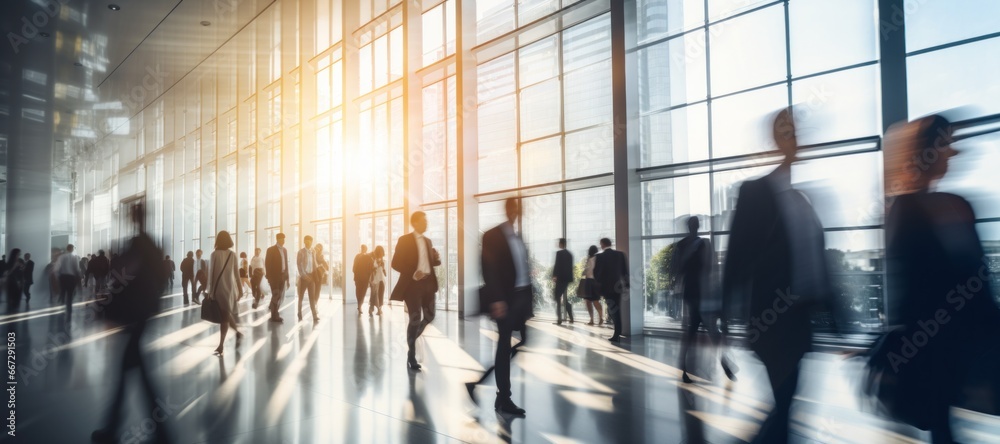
[(404, 260), (563, 269), (758, 272), (611, 273), (499, 276), (29, 272), (362, 268), (187, 267), (301, 262), (99, 267), (273, 265)]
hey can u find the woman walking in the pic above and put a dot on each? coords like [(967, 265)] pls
[(377, 281), (322, 269), (244, 273), (224, 286), (589, 287)]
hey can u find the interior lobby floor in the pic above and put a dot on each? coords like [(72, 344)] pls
[(345, 380)]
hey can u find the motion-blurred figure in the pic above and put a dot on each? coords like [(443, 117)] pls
[(562, 276), (70, 275), (135, 298), (29, 276), (322, 270), (187, 276), (14, 279), (169, 267), (256, 276), (362, 270), (694, 263), (776, 262), (100, 266), (507, 294), (935, 263), (612, 275), (200, 275), (415, 259), (588, 289), (307, 283), (276, 266), (224, 287), (377, 280), (84, 273)]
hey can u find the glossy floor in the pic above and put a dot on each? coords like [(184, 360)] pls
[(345, 380)]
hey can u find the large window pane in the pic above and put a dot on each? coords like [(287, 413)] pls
[(658, 18), (493, 18), (930, 23), (856, 266), (497, 143), (588, 152), (495, 78), (676, 136), (587, 92), (963, 76), (826, 35), (667, 204), (587, 43), (663, 306), (540, 110), (538, 61), (673, 72), (845, 191), (531, 10), (741, 124), (748, 51), (838, 106), (541, 162)]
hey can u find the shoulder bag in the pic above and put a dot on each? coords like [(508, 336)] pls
[(210, 310)]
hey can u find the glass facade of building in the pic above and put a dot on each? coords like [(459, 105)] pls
[(338, 119)]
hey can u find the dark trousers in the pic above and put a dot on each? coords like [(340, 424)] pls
[(277, 293), (513, 352), (378, 293), (255, 288), (615, 312), (185, 282), (420, 307), (67, 286), (360, 288), (132, 359), (562, 300), (505, 327), (310, 285), (27, 289), (694, 319), (783, 384), (100, 283)]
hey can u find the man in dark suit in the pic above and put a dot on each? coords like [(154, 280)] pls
[(507, 294), (187, 275), (276, 270), (415, 259), (562, 275), (29, 275), (170, 268), (775, 272), (362, 270), (611, 274)]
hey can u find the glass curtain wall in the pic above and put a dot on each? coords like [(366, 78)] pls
[(336, 119)]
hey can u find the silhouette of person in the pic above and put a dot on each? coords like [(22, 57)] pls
[(170, 268), (935, 263), (307, 273), (277, 272), (776, 259), (612, 275), (693, 262), (415, 260), (362, 269), (224, 287), (132, 304), (29, 275), (14, 275), (507, 293), (70, 275), (562, 276), (187, 276)]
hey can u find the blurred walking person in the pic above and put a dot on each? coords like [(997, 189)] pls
[(68, 269), (84, 262), (612, 276), (377, 283), (256, 276), (415, 259), (776, 262), (276, 270), (562, 276), (13, 276), (307, 285), (169, 267), (187, 276), (200, 275), (322, 270), (29, 276), (588, 289), (100, 267), (224, 287), (362, 270), (507, 295), (244, 273)]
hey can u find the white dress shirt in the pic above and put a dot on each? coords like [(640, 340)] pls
[(520, 255), (257, 263), (284, 259), (307, 261), (69, 264), (423, 256)]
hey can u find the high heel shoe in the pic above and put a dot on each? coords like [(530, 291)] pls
[(218, 352)]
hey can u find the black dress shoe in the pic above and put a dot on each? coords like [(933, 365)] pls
[(413, 365), (507, 406), (471, 388), (728, 371), (615, 339), (686, 378)]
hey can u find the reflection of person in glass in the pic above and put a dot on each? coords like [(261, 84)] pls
[(775, 263), (935, 264), (415, 259)]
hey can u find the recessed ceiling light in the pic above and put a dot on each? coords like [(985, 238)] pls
[(44, 34), (114, 7), (205, 23), (77, 64)]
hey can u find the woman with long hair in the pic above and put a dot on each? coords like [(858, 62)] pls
[(224, 286), (377, 281), (589, 287)]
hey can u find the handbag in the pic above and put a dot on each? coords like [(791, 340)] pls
[(900, 390), (210, 311)]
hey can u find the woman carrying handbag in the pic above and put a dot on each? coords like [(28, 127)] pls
[(587, 288), (224, 288)]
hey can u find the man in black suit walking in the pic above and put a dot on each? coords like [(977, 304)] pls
[(776, 263), (507, 294), (562, 275), (415, 259), (187, 276), (611, 274), (276, 270), (362, 269)]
